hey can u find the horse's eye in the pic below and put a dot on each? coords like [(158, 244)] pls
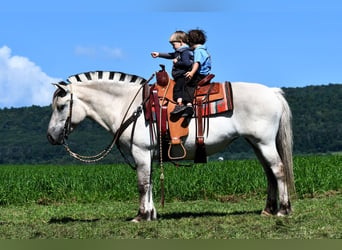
[(60, 107)]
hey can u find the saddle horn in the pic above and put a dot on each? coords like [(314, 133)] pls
[(162, 76), (162, 67)]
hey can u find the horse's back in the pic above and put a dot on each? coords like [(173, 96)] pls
[(257, 108), (255, 98)]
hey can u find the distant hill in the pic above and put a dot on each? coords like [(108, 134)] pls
[(317, 128)]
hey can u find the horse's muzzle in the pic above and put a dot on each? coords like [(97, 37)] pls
[(53, 141)]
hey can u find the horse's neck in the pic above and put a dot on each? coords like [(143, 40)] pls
[(107, 103)]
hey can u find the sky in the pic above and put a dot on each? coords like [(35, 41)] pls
[(292, 43)]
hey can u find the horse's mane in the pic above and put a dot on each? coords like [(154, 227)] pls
[(99, 76), (108, 76)]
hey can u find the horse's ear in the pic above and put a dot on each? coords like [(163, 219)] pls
[(61, 86)]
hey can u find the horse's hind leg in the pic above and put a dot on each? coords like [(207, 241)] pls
[(273, 167), (271, 203)]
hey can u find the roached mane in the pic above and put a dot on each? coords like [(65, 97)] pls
[(109, 76)]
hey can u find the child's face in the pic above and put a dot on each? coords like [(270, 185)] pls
[(176, 44)]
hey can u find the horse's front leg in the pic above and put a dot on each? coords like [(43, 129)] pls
[(147, 210)]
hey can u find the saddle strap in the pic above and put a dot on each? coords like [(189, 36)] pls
[(163, 120), (200, 153), (199, 131), (160, 113)]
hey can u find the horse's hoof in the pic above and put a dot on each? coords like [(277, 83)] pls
[(279, 214), (137, 219), (147, 216), (284, 210), (283, 213), (265, 213)]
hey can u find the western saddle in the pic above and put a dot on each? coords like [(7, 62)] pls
[(171, 130)]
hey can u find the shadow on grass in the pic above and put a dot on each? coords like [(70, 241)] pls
[(66, 220), (182, 215), (162, 216)]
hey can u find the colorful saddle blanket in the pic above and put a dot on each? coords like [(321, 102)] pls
[(220, 98)]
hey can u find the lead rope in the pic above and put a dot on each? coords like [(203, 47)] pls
[(162, 200)]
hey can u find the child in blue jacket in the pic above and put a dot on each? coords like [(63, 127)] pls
[(182, 63)]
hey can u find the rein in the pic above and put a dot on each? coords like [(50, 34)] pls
[(124, 124)]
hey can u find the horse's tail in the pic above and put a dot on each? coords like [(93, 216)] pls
[(284, 140)]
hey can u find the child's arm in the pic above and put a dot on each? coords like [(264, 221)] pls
[(194, 69), (154, 54), (163, 55)]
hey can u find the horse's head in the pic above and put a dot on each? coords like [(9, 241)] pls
[(94, 95), (66, 114)]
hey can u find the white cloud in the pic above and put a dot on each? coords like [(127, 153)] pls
[(112, 52), (99, 52), (22, 82), (85, 51)]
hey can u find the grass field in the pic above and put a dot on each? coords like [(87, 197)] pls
[(218, 200), (314, 218)]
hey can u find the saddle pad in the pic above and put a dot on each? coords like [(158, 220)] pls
[(219, 102)]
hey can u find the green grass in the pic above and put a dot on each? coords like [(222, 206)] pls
[(318, 174), (219, 200), (214, 181), (317, 218)]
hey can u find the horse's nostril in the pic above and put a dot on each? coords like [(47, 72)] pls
[(50, 139)]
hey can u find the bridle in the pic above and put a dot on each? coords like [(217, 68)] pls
[(67, 125), (124, 124)]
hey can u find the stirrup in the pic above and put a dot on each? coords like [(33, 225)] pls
[(176, 151)]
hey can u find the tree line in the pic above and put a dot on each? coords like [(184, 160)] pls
[(316, 110)]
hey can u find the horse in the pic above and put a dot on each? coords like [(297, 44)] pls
[(261, 115)]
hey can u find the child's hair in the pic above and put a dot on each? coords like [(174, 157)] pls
[(197, 36), (179, 35)]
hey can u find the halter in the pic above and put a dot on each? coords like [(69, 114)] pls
[(124, 124)]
